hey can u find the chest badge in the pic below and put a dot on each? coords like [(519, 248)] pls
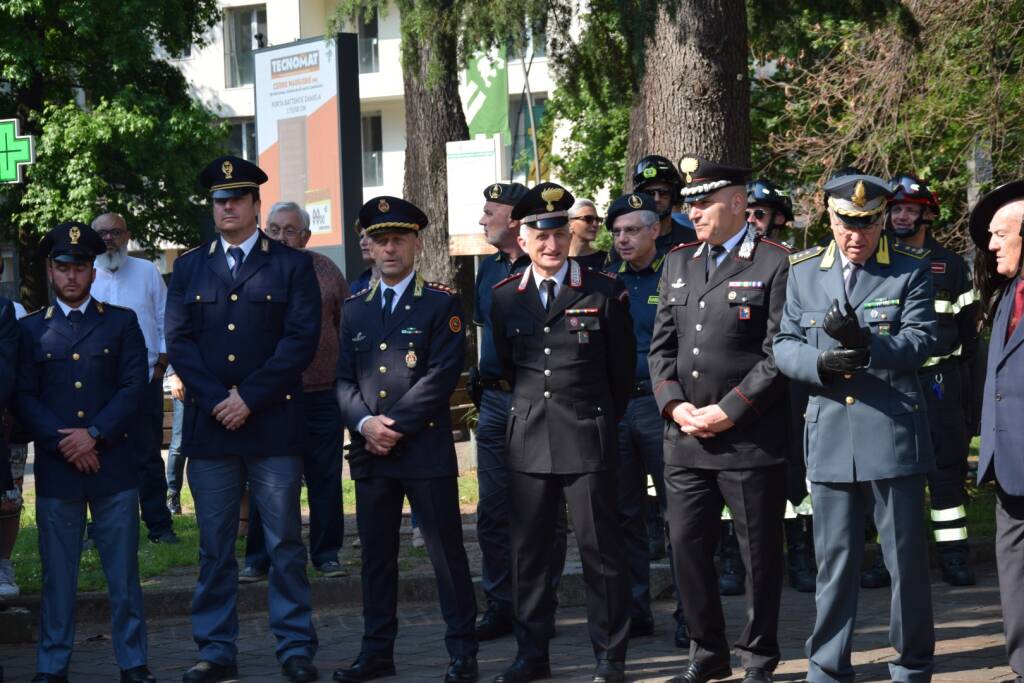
[(410, 359), (744, 312)]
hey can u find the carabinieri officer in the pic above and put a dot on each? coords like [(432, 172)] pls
[(565, 340), (402, 350), (81, 369), (242, 323)]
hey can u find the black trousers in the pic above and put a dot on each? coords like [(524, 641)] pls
[(379, 517), (533, 512), (757, 501)]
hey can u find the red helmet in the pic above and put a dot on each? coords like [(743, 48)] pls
[(910, 188)]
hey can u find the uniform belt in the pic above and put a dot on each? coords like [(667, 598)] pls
[(642, 388), (495, 385)]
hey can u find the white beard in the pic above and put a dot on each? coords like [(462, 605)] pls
[(112, 261)]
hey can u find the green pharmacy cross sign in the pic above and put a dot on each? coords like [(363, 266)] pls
[(15, 151)]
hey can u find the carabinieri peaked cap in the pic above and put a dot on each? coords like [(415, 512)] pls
[(231, 176), (391, 214), (544, 207), (505, 193), (71, 242), (628, 203), (702, 177), (857, 198)]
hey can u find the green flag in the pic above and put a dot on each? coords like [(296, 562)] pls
[(486, 104)]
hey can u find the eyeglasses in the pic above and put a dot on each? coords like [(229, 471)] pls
[(275, 231), (115, 233), (587, 219), (628, 232), (759, 214)]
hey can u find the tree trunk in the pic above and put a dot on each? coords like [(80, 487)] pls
[(433, 117), (694, 93)]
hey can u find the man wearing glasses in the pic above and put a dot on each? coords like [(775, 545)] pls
[(136, 283), (658, 178)]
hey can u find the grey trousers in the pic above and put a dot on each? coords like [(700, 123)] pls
[(1010, 562)]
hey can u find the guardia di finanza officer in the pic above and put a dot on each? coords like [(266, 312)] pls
[(858, 323), (242, 323), (716, 381), (81, 372), (565, 341), (402, 350)]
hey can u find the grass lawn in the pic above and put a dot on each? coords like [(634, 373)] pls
[(155, 559)]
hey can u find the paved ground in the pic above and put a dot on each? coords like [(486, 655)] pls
[(968, 630)]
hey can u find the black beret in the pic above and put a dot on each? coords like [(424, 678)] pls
[(505, 193), (628, 203), (987, 206), (72, 242), (545, 206), (703, 177), (389, 214), (231, 176)]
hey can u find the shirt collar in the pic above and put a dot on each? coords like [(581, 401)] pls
[(735, 239), (559, 277), (246, 246), (398, 288), (81, 307)]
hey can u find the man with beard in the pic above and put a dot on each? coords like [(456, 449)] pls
[(136, 283)]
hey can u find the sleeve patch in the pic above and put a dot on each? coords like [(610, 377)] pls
[(455, 324)]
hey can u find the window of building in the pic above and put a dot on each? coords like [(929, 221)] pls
[(369, 59), (242, 139), (245, 30), (373, 151)]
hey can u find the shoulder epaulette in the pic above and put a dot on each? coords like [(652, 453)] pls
[(802, 256), (189, 251), (683, 246), (610, 276), (358, 294), (780, 245), (907, 250), (109, 305), (510, 278), (35, 312), (439, 287)]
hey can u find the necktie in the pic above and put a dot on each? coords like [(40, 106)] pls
[(713, 255), (389, 298), (237, 254), (1018, 308), (75, 318), (549, 291), (851, 280)]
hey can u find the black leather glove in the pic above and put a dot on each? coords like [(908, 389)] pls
[(838, 360), (845, 328)]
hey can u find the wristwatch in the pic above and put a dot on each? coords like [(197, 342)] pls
[(95, 433)]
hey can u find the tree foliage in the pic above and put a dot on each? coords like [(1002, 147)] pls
[(115, 126)]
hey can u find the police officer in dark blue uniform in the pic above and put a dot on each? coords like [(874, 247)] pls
[(633, 221), (242, 323), (402, 350), (81, 369)]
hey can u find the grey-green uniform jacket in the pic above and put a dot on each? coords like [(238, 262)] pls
[(870, 424)]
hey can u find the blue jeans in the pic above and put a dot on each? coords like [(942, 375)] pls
[(115, 532), (175, 461), (322, 472), (216, 485)]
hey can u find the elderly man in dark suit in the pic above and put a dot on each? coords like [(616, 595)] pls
[(242, 323), (997, 226)]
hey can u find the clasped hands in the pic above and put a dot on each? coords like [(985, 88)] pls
[(79, 449), (232, 412), (854, 341), (702, 423), (380, 438)]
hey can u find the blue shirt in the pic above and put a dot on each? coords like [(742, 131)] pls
[(642, 286), (493, 269)]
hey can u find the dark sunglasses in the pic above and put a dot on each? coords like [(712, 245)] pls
[(756, 213), (587, 219)]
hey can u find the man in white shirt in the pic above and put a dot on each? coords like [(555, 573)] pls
[(136, 284)]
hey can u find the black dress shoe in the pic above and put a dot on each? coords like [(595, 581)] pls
[(682, 637), (639, 628), (137, 674), (494, 623), (609, 672), (299, 669), (49, 678), (210, 672), (367, 667), (699, 674), (462, 670), (757, 675), (524, 670)]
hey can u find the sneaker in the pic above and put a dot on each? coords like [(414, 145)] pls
[(417, 538), (251, 575), (332, 570), (8, 589)]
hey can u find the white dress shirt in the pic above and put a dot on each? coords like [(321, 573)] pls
[(137, 285), (80, 307), (246, 247), (558, 277)]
